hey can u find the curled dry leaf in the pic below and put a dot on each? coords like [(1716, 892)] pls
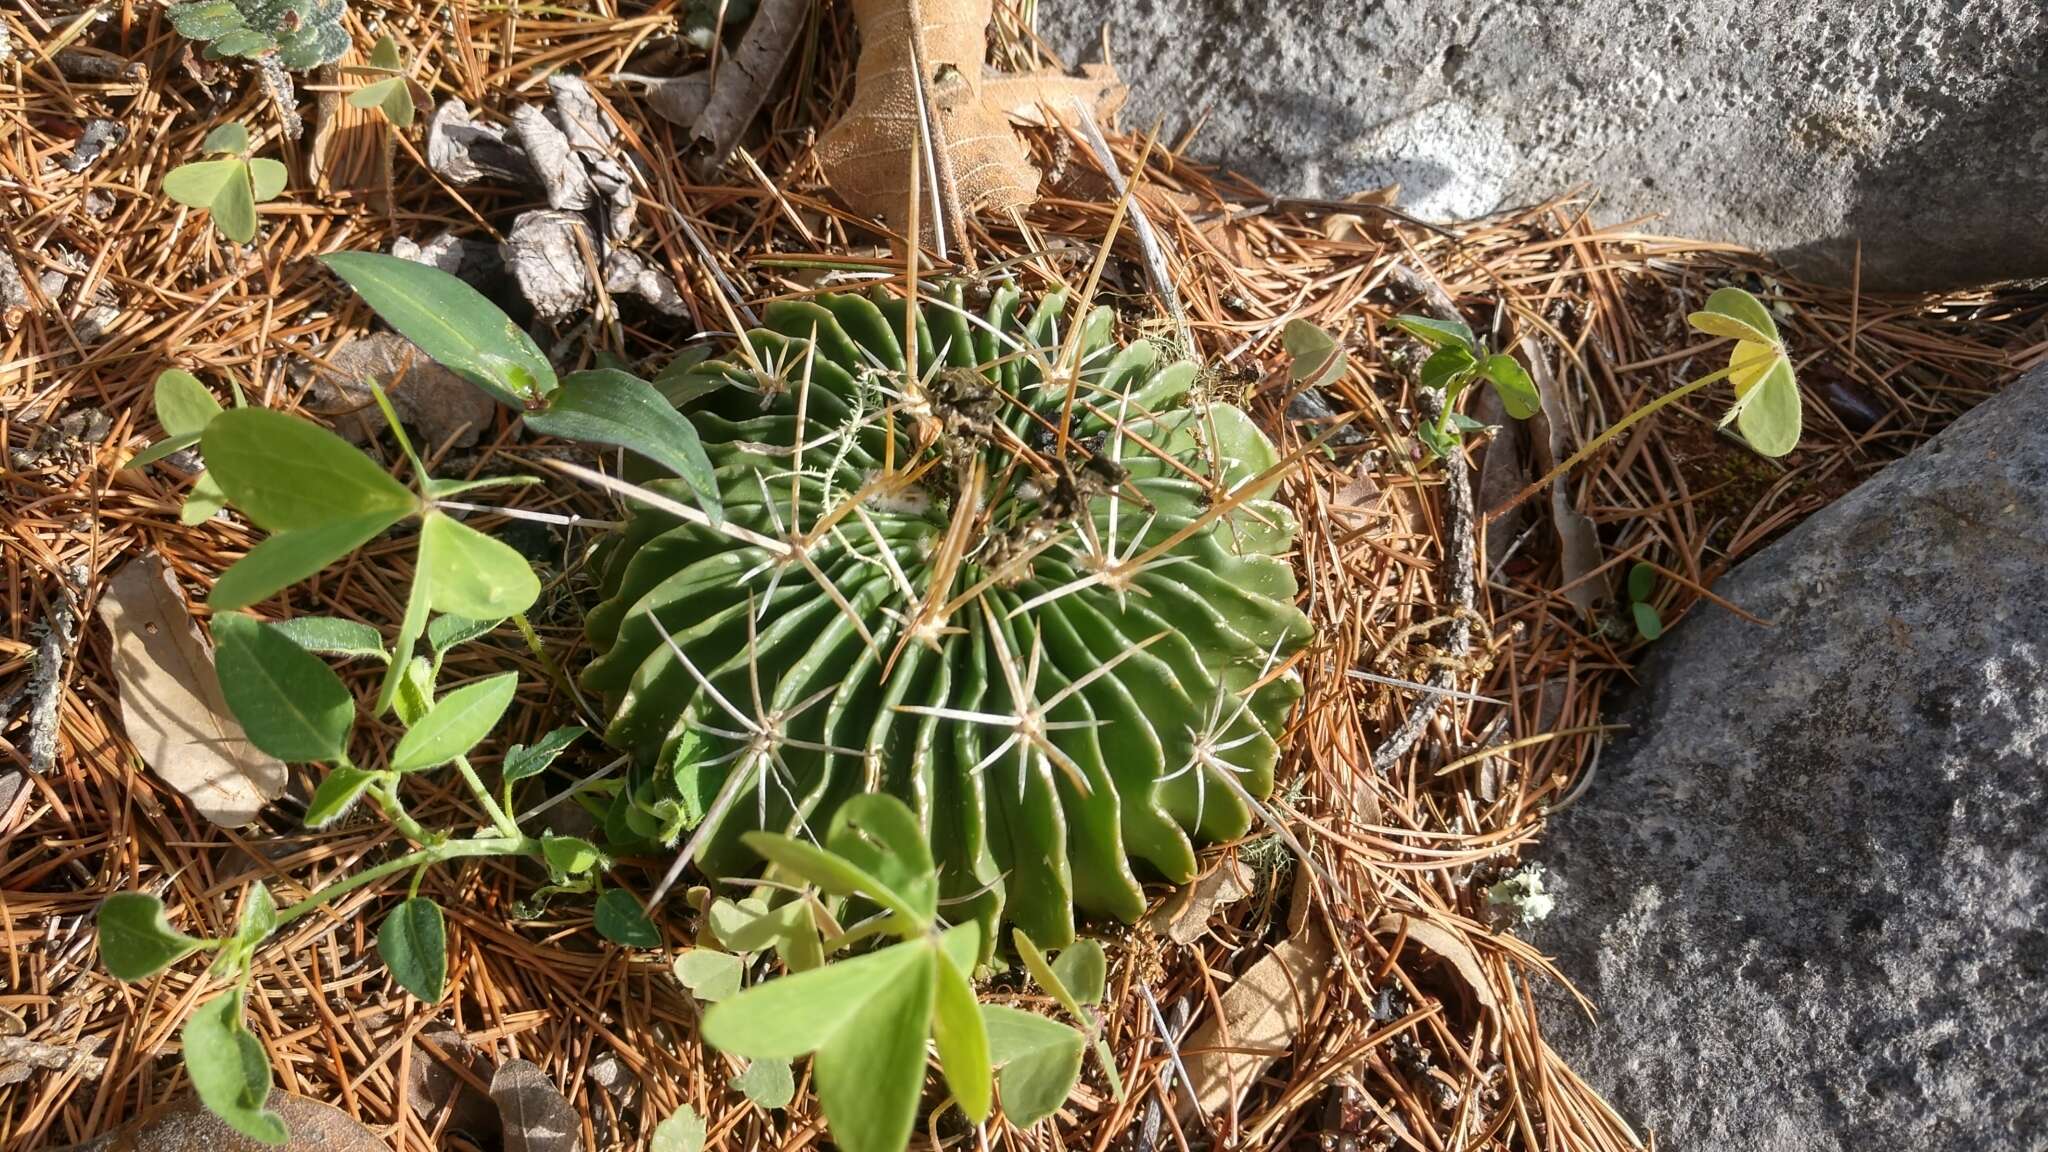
[(536, 1117), (977, 161), (1446, 946), (1262, 1014), (1184, 916), (171, 702), (186, 1126)]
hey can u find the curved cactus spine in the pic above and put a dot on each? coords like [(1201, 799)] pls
[(1049, 644)]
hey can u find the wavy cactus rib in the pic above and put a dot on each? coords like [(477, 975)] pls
[(1052, 647)]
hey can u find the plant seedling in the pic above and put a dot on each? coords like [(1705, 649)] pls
[(228, 189), (392, 92), (1642, 584), (1459, 359), (1766, 411), (866, 1022)]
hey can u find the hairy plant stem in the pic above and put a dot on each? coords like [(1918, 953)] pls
[(422, 858), (499, 820), (1623, 425)]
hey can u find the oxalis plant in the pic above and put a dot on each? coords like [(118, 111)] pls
[(995, 602)]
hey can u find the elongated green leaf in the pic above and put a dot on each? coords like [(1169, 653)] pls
[(1042, 971), (869, 1074), (961, 1038), (878, 834), (1039, 1059), (337, 794), (832, 873), (522, 761), (767, 1083), (1316, 357), (199, 184), (410, 626), (204, 502), (1517, 392), (709, 974), (414, 945), (1642, 581), (229, 1069), (1439, 333), (231, 137), (1734, 312), (183, 405), (267, 178), (167, 446), (280, 561), (1083, 970), (455, 724), (1770, 416), (259, 917), (569, 856), (384, 54), (391, 95), (610, 407), (1444, 369), (291, 704), (621, 920), (451, 322), (333, 636), (683, 1131), (136, 941), (471, 574), (284, 473), (445, 632), (1648, 623), (791, 1017)]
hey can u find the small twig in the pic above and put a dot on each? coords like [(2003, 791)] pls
[(1148, 240), (49, 1057), (46, 684), (1464, 587)]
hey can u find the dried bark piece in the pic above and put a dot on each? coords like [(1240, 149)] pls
[(935, 48), (441, 406), (550, 254), (171, 702), (465, 151)]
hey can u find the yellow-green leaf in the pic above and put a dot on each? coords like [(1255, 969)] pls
[(455, 724), (471, 574)]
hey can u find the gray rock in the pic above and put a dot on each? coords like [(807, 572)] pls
[(1808, 890), (1795, 127)]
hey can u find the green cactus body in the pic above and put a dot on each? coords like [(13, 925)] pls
[(893, 609)]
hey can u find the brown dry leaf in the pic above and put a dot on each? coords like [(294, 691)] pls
[(445, 1078), (171, 702), (1578, 542), (979, 162), (535, 1115), (187, 1126), (1263, 1013), (1447, 946), (1184, 916), (352, 148)]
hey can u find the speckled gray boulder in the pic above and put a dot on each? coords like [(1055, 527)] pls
[(1795, 126), (1810, 890)]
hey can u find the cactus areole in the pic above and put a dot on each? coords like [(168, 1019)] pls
[(1066, 651)]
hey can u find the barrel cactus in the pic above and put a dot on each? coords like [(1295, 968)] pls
[(1068, 653)]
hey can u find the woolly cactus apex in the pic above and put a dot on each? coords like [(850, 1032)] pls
[(1066, 652)]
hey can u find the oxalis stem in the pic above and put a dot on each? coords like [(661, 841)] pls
[(1623, 425), (423, 858)]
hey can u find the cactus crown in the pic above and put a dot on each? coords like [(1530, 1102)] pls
[(303, 33), (1066, 650)]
